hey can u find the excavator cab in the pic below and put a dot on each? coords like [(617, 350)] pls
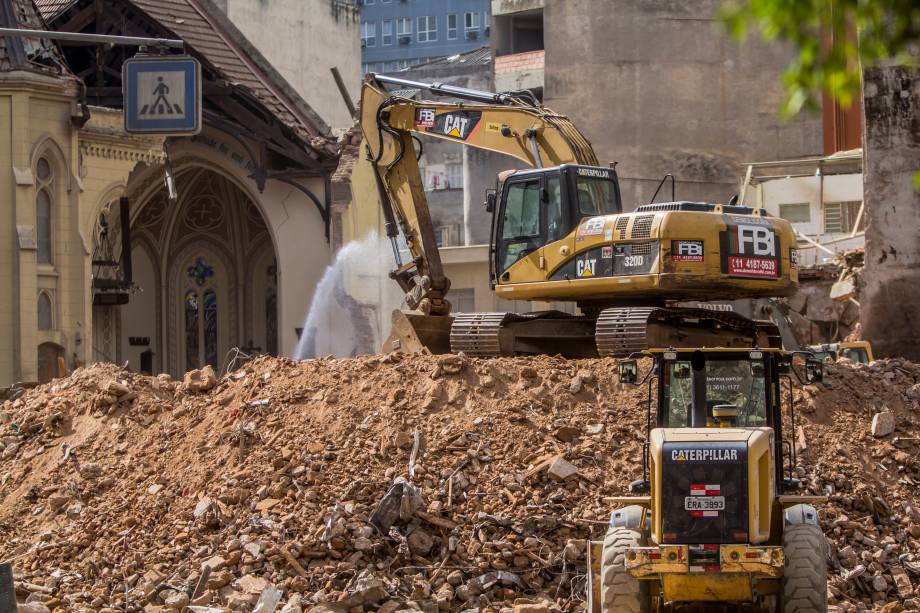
[(534, 208)]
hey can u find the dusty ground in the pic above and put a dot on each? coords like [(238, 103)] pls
[(117, 491)]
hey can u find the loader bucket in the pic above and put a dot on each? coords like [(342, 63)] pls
[(413, 332)]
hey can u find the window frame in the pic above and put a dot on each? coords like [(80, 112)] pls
[(44, 233), (466, 20), (848, 211), (384, 36), (431, 34), (401, 21), (453, 29), (369, 41), (44, 295), (806, 205)]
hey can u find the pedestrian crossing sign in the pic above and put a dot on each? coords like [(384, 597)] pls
[(162, 95)]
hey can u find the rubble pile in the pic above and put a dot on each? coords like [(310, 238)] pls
[(387, 482), (859, 444)]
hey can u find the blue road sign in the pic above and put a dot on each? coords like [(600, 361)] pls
[(162, 95)]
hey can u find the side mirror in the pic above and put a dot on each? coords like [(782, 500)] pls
[(757, 369), (814, 370), (628, 371), (682, 371), (490, 200)]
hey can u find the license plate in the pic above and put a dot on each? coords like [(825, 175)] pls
[(704, 503)]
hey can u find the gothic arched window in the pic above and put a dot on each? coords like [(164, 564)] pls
[(43, 210), (45, 317)]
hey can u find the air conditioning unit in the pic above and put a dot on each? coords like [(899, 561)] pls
[(474, 34), (405, 40)]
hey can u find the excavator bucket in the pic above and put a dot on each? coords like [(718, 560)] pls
[(413, 332)]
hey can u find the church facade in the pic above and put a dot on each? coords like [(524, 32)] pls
[(100, 258)]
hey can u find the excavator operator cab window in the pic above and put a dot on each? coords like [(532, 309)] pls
[(596, 197), (721, 381), (521, 222)]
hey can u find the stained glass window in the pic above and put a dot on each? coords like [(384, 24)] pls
[(191, 329), (210, 328)]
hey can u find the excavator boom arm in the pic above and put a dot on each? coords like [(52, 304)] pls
[(502, 123)]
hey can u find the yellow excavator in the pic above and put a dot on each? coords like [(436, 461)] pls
[(559, 233)]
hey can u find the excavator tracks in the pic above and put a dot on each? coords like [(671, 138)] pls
[(477, 334), (617, 332), (620, 332)]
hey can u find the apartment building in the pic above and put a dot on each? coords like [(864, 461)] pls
[(397, 34)]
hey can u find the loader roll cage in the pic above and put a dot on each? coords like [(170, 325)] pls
[(691, 383)]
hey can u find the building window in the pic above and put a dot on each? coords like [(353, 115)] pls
[(452, 26), (798, 212), (447, 236), (271, 309), (404, 28), (485, 23), (368, 33), (840, 217), (463, 300), (45, 318), (472, 22), (427, 29), (454, 176), (386, 32), (210, 328), (43, 207), (191, 329), (43, 226)]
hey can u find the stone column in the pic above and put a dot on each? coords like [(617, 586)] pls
[(890, 285)]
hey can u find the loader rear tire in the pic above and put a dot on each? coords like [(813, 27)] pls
[(805, 575), (620, 591)]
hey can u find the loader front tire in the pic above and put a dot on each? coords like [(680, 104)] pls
[(620, 591), (805, 574)]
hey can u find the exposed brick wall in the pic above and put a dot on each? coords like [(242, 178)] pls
[(530, 60)]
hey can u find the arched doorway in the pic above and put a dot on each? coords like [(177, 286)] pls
[(203, 268)]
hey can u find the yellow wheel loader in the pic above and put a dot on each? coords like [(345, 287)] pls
[(716, 520), (559, 233)]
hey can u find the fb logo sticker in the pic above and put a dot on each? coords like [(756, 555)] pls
[(762, 240)]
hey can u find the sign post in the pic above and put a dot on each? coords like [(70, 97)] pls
[(162, 95)]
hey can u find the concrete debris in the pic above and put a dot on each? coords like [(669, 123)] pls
[(883, 424), (410, 483), (560, 469)]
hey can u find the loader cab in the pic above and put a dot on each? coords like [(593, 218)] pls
[(532, 208), (693, 385)]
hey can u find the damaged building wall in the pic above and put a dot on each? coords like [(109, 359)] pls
[(890, 289), (657, 89), (303, 39)]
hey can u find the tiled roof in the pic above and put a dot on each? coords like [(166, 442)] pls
[(52, 8), (28, 53)]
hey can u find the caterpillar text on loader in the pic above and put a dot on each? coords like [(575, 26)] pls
[(718, 522), (559, 234)]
